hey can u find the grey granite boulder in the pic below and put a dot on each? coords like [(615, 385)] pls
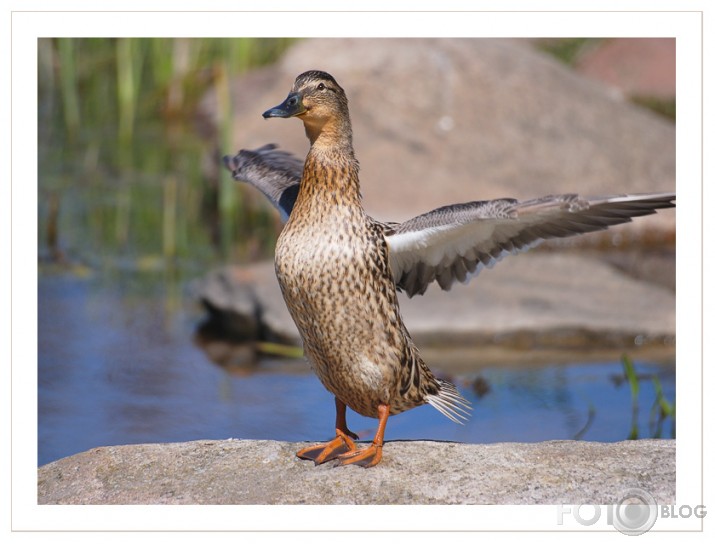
[(438, 121), (531, 301)]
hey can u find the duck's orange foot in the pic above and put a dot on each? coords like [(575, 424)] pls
[(363, 457), (342, 444)]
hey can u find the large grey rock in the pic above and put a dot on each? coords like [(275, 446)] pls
[(438, 121), (528, 301), (267, 472)]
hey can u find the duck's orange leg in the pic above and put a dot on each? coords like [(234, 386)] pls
[(371, 455), (342, 443)]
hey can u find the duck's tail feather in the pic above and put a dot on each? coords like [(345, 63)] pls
[(450, 403)]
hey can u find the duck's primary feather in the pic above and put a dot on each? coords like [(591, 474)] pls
[(454, 242)]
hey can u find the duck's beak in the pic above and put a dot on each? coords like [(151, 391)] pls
[(291, 106)]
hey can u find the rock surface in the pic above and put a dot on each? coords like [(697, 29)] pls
[(267, 472), (634, 66)]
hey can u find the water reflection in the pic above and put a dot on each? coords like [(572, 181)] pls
[(239, 358), (119, 365)]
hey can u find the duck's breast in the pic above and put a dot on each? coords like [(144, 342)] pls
[(338, 287)]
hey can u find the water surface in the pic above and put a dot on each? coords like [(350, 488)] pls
[(118, 364)]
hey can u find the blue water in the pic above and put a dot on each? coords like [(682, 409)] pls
[(118, 365)]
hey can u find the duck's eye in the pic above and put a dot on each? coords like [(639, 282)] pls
[(321, 86)]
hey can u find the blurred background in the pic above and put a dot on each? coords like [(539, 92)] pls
[(137, 342)]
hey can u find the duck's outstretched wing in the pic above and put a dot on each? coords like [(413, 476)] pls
[(455, 242), (276, 173)]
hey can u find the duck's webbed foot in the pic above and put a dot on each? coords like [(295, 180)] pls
[(371, 455), (342, 444), (363, 457)]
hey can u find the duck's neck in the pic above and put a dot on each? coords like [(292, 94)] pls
[(335, 133), (331, 167)]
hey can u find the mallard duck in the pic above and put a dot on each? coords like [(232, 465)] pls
[(339, 270)]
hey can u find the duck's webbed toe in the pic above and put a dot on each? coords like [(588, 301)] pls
[(363, 457), (342, 444)]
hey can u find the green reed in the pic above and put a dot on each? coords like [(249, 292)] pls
[(68, 89), (228, 194), (661, 409), (134, 170), (631, 377)]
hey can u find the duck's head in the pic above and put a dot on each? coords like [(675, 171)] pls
[(318, 100)]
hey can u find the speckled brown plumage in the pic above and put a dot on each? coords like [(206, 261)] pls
[(332, 266), (332, 263)]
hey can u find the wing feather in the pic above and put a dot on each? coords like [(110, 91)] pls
[(276, 173), (455, 242)]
